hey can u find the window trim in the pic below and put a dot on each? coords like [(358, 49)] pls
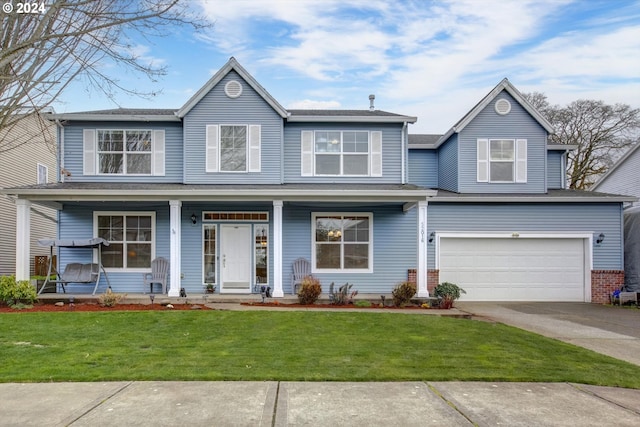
[(512, 161), (519, 162), (124, 152), (152, 214), (315, 269), (42, 177), (246, 147), (342, 153)]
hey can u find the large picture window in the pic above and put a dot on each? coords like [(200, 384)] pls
[(342, 153), (342, 242), (131, 239), (124, 152)]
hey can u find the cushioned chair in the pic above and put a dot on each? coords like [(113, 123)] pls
[(301, 269), (159, 274)]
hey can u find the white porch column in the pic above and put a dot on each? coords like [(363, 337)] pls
[(175, 227), (23, 238), (421, 271), (277, 249)]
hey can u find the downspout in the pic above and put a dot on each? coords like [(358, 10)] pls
[(404, 149), (60, 147)]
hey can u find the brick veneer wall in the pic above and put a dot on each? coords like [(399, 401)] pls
[(603, 283), (432, 278)]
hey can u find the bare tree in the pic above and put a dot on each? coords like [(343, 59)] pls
[(600, 131), (66, 40)]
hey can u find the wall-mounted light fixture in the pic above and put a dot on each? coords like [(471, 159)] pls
[(432, 236), (600, 239), (194, 219)]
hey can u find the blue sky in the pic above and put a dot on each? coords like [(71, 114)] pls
[(430, 59)]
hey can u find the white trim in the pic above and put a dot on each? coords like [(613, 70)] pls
[(23, 238), (233, 92), (315, 270), (211, 148), (175, 247), (246, 148), (158, 151), (45, 172), (277, 249), (421, 271), (125, 214), (213, 226), (482, 160), (521, 158), (341, 154), (224, 245), (125, 152), (89, 151)]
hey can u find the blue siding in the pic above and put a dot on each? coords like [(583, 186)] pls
[(172, 159), (394, 252), (555, 171), (517, 124), (217, 108), (391, 152), (423, 168), (448, 164), (500, 217)]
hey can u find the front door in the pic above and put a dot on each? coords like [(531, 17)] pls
[(236, 258)]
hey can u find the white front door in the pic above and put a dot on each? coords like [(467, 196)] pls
[(235, 259)]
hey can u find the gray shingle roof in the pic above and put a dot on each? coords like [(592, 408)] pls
[(344, 113)]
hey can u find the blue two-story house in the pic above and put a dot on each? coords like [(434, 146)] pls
[(232, 188)]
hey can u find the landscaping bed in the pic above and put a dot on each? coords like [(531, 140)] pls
[(87, 306)]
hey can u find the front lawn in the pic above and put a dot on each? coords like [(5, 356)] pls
[(289, 346)]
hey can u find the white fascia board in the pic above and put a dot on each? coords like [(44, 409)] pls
[(114, 117), (529, 199), (562, 147), (354, 119)]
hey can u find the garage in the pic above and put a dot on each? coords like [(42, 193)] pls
[(515, 267)]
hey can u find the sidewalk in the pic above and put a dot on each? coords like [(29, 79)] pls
[(316, 403)]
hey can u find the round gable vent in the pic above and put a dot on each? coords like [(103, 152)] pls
[(502, 106), (233, 89)]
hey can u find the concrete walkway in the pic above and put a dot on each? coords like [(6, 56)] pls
[(317, 404)]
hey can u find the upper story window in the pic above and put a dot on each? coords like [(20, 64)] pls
[(233, 148), (341, 153), (502, 160), (123, 152), (43, 171)]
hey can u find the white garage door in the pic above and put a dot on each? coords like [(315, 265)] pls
[(520, 269)]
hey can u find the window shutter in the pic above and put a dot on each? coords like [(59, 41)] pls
[(483, 160), (306, 150), (158, 156), (254, 148), (212, 148), (521, 160), (376, 153), (89, 151)]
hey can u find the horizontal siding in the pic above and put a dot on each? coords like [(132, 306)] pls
[(517, 124), (625, 178), (217, 108), (554, 169), (448, 164), (394, 253), (173, 152), (423, 168), (498, 217), (391, 152)]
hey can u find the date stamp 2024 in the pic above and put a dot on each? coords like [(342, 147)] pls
[(32, 7)]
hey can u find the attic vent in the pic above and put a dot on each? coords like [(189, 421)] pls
[(233, 89), (503, 107)]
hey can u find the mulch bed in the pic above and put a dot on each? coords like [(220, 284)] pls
[(328, 306), (97, 307)]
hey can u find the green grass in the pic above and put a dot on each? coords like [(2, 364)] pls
[(288, 346)]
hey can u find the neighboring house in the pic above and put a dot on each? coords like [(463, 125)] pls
[(27, 156), (233, 188), (623, 177)]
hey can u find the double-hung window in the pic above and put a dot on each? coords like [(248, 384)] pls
[(502, 160), (131, 238), (341, 153), (342, 242), (124, 152), (233, 148)]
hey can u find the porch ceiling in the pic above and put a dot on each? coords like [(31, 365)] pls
[(104, 192)]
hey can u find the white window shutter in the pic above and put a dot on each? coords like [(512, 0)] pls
[(376, 153), (89, 152), (158, 156), (521, 160), (254, 148), (306, 150), (212, 148), (483, 160)]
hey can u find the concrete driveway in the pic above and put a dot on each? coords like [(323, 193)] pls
[(610, 330)]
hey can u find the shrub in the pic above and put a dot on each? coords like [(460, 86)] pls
[(344, 295), (309, 291), (18, 294), (448, 293), (110, 299), (402, 293)]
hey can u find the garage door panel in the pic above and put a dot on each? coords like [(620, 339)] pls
[(493, 269)]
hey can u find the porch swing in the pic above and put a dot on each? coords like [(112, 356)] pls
[(88, 273)]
